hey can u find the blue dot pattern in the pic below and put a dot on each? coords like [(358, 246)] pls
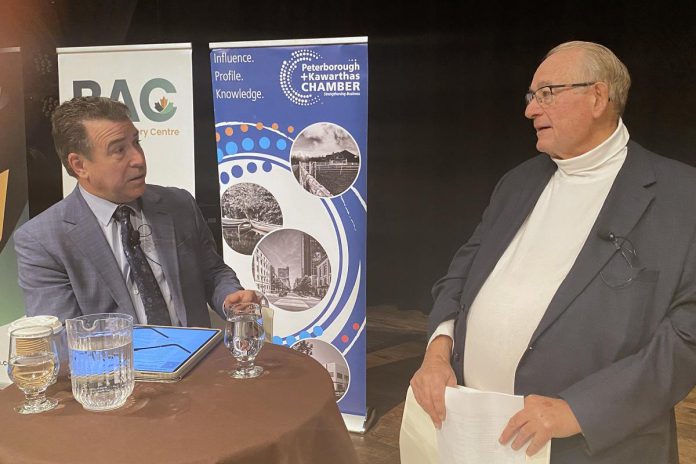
[(231, 148), (267, 141)]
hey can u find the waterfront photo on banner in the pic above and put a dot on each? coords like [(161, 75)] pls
[(291, 133), (155, 82)]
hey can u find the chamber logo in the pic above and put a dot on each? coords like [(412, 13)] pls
[(306, 77), (287, 74)]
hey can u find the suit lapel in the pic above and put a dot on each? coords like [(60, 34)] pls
[(625, 204), (83, 229), (503, 231), (159, 216)]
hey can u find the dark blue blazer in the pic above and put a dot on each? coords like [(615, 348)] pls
[(623, 356)]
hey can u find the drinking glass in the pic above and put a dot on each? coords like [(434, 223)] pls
[(33, 366), (244, 336)]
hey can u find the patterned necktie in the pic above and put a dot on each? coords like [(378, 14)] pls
[(150, 293)]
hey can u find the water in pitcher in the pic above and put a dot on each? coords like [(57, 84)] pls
[(102, 376)]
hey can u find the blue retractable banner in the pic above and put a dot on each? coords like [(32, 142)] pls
[(291, 133)]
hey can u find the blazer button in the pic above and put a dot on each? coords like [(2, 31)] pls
[(462, 306), (457, 357), (530, 348)]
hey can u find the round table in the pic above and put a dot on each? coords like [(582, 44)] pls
[(288, 415)]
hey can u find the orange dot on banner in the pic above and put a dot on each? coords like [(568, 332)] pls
[(291, 129), (244, 128), (259, 125), (217, 136), (356, 326), (344, 339), (274, 126), (228, 131)]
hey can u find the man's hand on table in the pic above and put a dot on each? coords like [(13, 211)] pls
[(241, 296), (429, 382), (542, 419)]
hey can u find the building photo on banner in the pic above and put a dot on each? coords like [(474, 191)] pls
[(291, 135), (155, 82)]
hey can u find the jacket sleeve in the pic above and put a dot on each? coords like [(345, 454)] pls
[(447, 290), (43, 279), (219, 279)]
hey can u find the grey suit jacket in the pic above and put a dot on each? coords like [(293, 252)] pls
[(621, 357), (66, 267)]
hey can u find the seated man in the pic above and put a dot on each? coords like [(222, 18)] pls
[(116, 244)]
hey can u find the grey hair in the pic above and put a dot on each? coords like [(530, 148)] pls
[(603, 65)]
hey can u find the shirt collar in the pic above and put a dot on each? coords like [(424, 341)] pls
[(595, 159), (104, 209)]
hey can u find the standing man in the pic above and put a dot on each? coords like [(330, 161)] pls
[(578, 287), (116, 244)]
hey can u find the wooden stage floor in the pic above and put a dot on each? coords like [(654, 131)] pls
[(395, 346)]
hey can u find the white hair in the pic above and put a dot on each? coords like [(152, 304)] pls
[(602, 66)]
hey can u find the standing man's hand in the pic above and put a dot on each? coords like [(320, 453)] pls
[(542, 419), (429, 382), (241, 296)]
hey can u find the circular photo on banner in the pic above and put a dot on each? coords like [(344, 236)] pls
[(292, 269), (249, 212), (333, 361), (325, 159)]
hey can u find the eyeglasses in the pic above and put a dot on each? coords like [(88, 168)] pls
[(544, 95), (632, 267)]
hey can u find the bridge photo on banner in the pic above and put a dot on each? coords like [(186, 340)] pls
[(291, 133)]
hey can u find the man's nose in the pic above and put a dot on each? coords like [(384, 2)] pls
[(533, 109), (137, 157)]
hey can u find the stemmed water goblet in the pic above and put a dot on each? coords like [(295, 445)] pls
[(244, 337), (33, 366)]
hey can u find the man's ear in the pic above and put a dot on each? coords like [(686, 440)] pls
[(77, 164), (601, 102)]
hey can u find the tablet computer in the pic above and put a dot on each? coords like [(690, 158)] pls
[(166, 354)]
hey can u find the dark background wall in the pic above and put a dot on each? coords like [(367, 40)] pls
[(446, 86)]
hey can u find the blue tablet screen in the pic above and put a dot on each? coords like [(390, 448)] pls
[(165, 349)]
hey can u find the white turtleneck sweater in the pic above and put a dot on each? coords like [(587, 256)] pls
[(514, 298)]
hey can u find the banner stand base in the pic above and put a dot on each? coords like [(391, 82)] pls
[(359, 424)]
